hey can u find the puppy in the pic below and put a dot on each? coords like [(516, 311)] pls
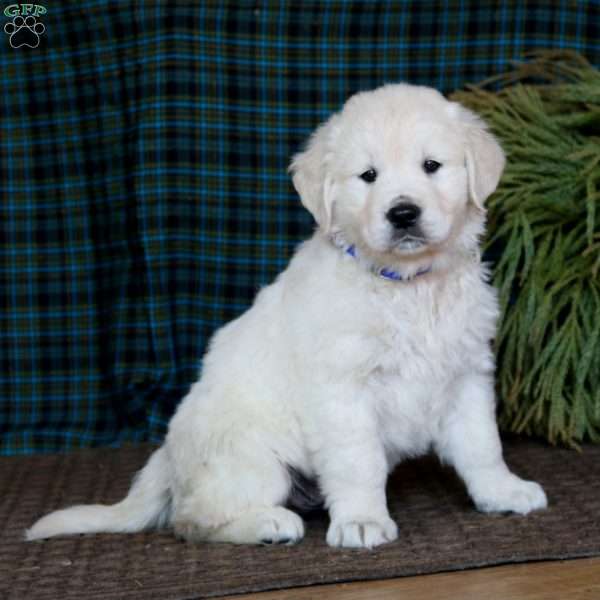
[(371, 347)]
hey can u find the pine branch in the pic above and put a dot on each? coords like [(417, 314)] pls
[(545, 216)]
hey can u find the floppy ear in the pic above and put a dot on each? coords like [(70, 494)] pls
[(311, 178), (484, 157)]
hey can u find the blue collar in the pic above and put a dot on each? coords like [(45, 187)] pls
[(383, 272)]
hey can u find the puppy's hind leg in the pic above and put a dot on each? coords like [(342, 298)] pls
[(239, 498), (266, 525)]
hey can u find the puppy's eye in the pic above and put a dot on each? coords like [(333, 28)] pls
[(431, 166), (369, 176)]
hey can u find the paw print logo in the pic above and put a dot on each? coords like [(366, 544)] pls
[(24, 31)]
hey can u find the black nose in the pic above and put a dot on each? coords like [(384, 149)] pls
[(403, 215)]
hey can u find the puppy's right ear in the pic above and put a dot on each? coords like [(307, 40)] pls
[(310, 175)]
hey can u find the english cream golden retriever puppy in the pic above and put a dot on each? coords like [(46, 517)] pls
[(371, 347)]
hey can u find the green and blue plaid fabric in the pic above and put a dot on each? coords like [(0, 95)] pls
[(143, 157)]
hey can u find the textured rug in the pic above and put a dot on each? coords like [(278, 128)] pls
[(439, 531)]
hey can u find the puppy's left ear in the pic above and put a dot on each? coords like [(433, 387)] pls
[(311, 177), (483, 156)]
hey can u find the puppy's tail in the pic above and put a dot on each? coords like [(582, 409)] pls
[(146, 505)]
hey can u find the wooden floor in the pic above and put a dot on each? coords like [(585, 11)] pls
[(565, 580)]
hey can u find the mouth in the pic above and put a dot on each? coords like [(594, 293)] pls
[(409, 243)]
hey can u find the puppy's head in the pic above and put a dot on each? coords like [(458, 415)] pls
[(401, 171)]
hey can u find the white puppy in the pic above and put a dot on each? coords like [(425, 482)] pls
[(372, 346)]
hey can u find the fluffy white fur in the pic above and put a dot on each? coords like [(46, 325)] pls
[(335, 371)]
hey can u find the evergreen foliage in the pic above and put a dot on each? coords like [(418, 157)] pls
[(544, 220)]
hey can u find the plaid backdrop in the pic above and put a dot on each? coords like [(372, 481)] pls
[(145, 199)]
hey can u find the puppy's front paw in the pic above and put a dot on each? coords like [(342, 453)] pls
[(361, 533), (511, 494)]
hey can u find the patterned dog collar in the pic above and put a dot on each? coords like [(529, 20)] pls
[(383, 272)]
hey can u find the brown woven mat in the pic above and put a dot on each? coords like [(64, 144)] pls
[(439, 530)]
